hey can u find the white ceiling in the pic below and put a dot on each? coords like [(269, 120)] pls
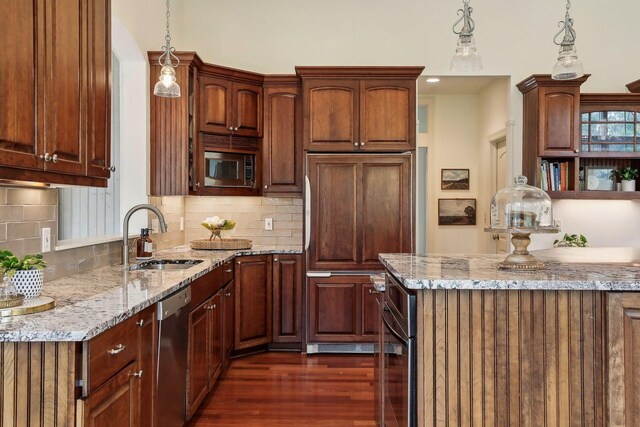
[(458, 85)]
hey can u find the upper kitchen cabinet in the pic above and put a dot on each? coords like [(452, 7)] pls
[(175, 147), (55, 123), (362, 205), (359, 108), (282, 141), (230, 102)]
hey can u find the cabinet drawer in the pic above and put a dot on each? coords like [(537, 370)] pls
[(109, 352), (203, 287)]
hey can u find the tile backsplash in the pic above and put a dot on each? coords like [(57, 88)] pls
[(24, 212)]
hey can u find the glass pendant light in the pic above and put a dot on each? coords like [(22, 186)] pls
[(568, 66), (167, 86), (466, 58)]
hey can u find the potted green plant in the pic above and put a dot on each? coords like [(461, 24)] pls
[(628, 177), (573, 240), (26, 273)]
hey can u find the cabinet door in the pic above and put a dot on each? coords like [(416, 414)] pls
[(215, 330), (116, 403), (282, 142), (334, 212), (334, 309), (198, 356), (623, 349), (370, 315), (253, 301), (387, 115), (215, 105), (559, 121), (229, 307), (331, 114), (384, 208), (247, 110), (147, 358), (21, 104), (287, 298), (64, 124), (98, 88)]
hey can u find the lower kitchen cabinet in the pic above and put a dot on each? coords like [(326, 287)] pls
[(115, 403), (287, 298), (253, 310), (338, 310), (228, 309), (148, 360)]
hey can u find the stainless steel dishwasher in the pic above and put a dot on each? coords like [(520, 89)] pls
[(173, 331)]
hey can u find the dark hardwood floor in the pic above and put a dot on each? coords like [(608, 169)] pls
[(292, 389)]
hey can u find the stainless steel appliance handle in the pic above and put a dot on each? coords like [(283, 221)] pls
[(399, 337), (318, 274), (307, 212)]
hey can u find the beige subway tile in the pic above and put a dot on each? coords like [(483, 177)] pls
[(290, 209), (297, 201), (268, 241), (278, 216), (297, 217), (39, 213), (50, 197), (53, 225), (253, 225), (3, 232), (22, 230), (24, 196), (3, 196), (297, 233), (11, 213), (172, 209), (173, 201), (289, 225), (277, 232), (276, 201), (15, 246), (154, 200), (289, 241), (33, 245)]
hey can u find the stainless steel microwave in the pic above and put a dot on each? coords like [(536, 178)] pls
[(229, 169)]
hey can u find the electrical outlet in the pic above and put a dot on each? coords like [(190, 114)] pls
[(181, 223), (268, 223), (46, 240)]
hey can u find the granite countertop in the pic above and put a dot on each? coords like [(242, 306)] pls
[(604, 269), (88, 303)]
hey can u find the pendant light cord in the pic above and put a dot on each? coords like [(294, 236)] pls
[(168, 36)]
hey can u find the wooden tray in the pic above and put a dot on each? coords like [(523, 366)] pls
[(224, 244)]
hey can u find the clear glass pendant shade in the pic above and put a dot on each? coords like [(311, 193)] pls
[(568, 66), (466, 58), (166, 85)]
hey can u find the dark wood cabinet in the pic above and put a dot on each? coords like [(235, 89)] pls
[(230, 107), (370, 314), (336, 309), (287, 298), (282, 141), (362, 204), (175, 153), (623, 344), (253, 296), (359, 108), (58, 109), (228, 304), (148, 357), (116, 403)]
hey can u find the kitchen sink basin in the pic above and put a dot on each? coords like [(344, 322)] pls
[(165, 264)]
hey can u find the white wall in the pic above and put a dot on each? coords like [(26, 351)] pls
[(513, 37)]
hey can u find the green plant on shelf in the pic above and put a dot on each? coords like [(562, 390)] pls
[(625, 174), (9, 263), (571, 241)]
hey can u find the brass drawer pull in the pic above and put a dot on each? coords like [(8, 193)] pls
[(228, 294), (117, 349), (229, 271), (140, 322), (137, 374)]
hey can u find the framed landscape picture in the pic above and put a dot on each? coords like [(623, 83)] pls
[(456, 211), (455, 179)]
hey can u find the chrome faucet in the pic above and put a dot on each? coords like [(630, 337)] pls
[(125, 228)]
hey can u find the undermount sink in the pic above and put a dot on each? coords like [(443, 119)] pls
[(165, 264)]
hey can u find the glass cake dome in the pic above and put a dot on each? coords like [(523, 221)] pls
[(521, 207)]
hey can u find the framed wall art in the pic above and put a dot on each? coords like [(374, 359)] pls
[(456, 211), (455, 179)]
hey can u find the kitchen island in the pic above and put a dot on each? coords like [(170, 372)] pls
[(555, 347)]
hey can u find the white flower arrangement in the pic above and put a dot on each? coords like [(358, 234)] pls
[(216, 224)]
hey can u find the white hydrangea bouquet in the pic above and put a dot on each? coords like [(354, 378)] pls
[(216, 224)]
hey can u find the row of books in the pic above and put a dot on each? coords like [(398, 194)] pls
[(555, 176)]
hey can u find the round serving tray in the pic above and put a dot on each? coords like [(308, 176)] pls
[(30, 306), (12, 302), (223, 244)]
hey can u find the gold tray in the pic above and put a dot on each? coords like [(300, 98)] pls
[(12, 302), (224, 244), (30, 306)]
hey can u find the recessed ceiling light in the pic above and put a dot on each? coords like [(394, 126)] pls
[(433, 80)]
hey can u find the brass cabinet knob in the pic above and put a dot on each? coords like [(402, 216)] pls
[(140, 322), (276, 260)]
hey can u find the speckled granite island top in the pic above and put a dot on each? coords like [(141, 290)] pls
[(598, 269), (91, 302)]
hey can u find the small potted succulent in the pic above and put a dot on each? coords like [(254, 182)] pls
[(26, 273), (626, 177)]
